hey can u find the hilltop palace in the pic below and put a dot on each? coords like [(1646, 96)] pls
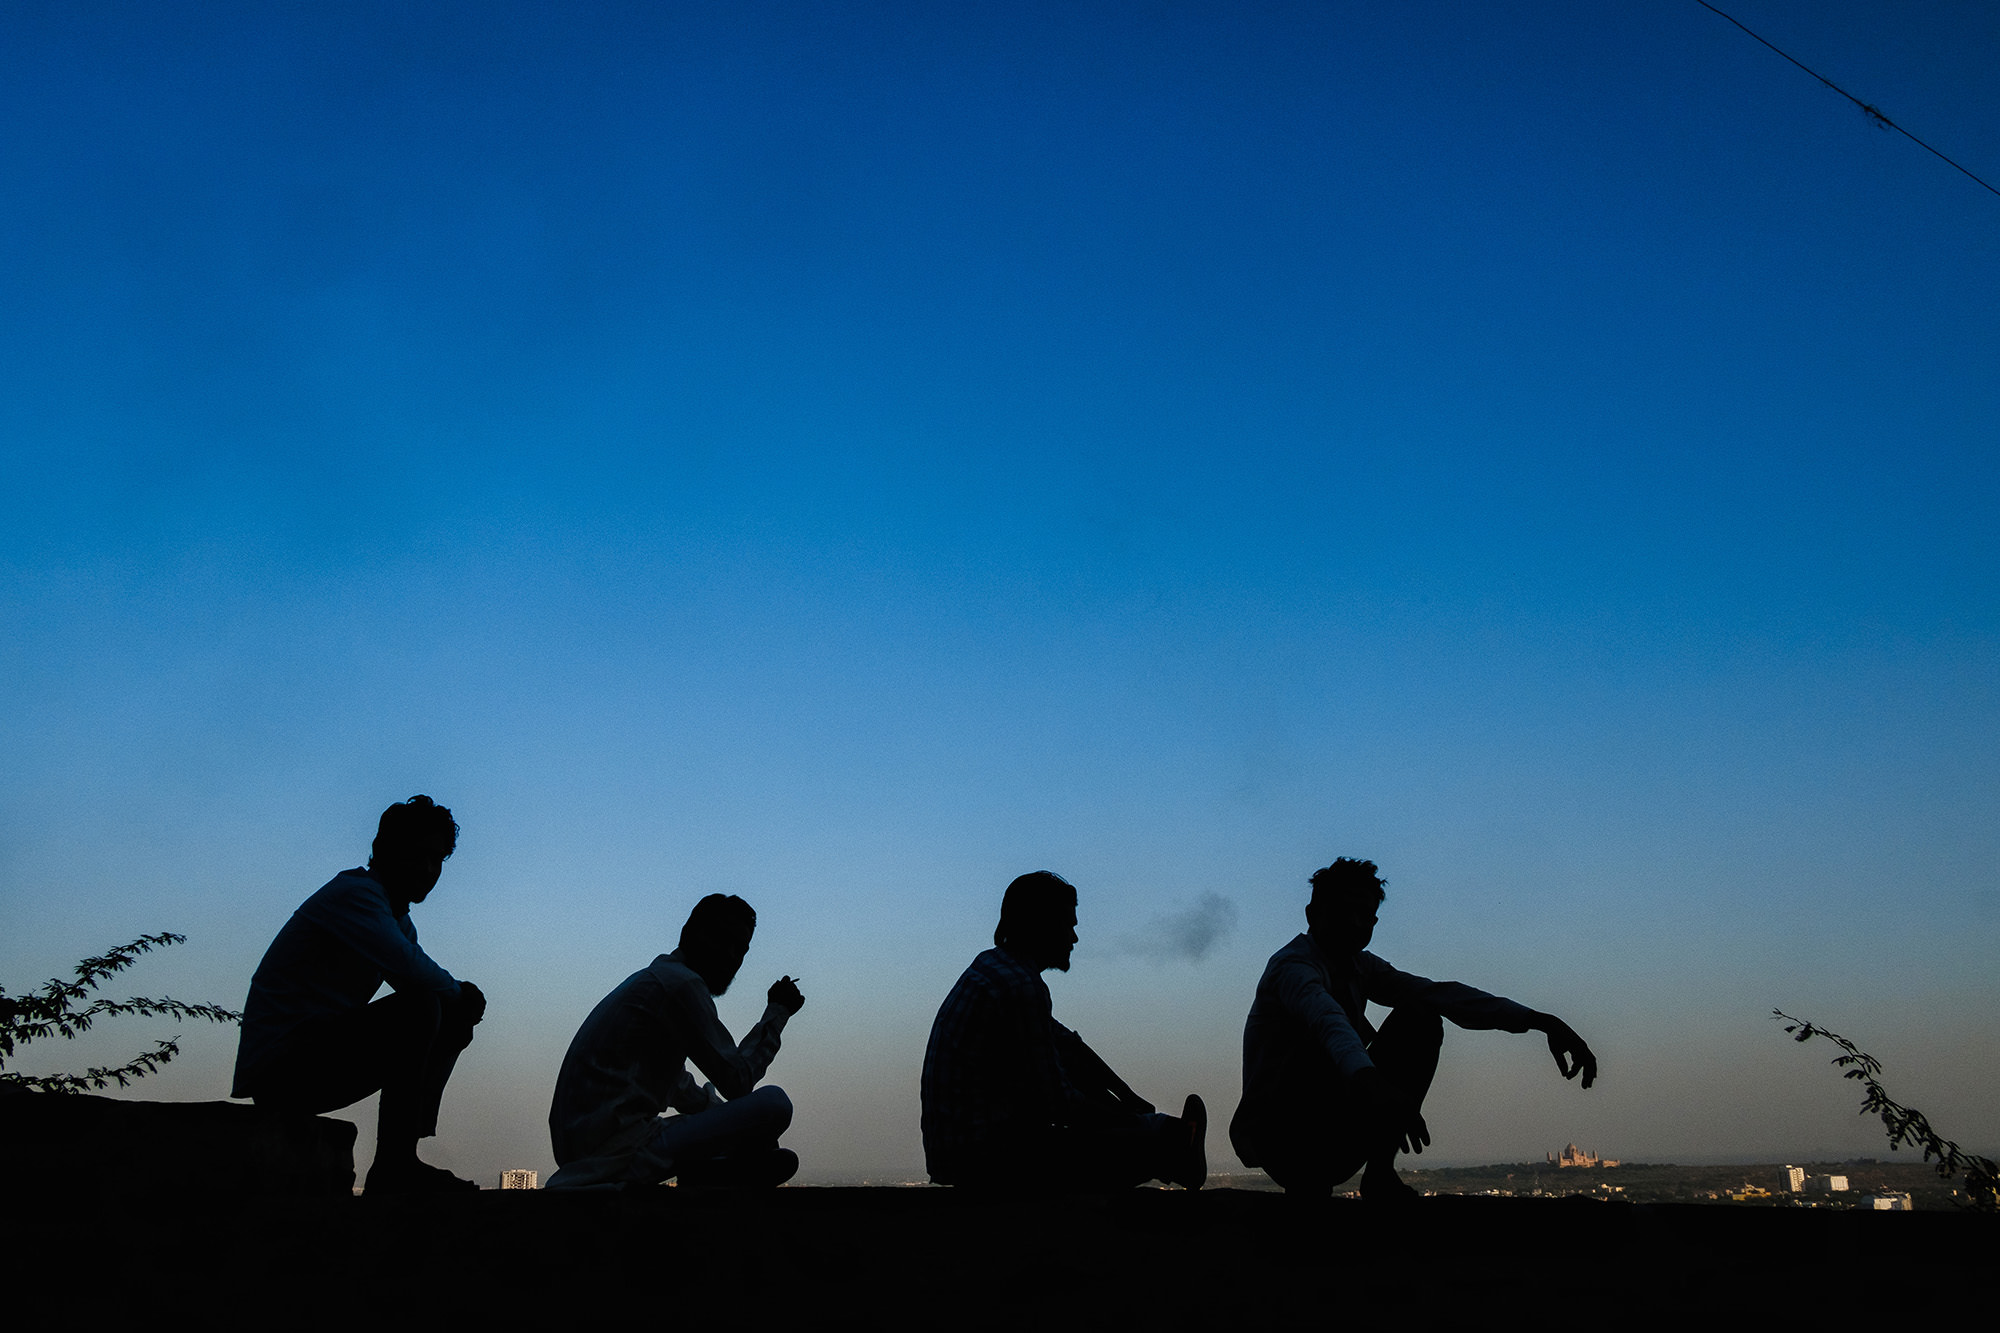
[(1575, 1156)]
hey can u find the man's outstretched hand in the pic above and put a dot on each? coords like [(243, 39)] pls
[(1572, 1055), (785, 994), (474, 1000)]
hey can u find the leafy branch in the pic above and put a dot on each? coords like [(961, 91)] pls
[(66, 1008), (1905, 1124)]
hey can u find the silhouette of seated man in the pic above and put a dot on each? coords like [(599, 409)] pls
[(628, 1064), (313, 1042), (1324, 1092), (1013, 1098)]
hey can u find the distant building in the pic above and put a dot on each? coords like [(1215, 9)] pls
[(1887, 1203), (1795, 1178), (1575, 1156), (1827, 1184), (519, 1179)]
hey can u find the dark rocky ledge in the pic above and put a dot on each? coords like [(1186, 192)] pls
[(932, 1257), (97, 1146)]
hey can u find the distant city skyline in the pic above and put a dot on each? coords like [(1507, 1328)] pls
[(851, 456)]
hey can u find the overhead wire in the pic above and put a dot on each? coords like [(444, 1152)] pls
[(1873, 113)]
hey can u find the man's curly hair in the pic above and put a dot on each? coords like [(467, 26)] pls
[(1348, 880), (416, 825)]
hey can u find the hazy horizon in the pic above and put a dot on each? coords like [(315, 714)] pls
[(852, 455)]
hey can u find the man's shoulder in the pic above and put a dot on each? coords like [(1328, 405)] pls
[(1299, 951), (1300, 965), (669, 976), (664, 970), (640, 992), (1001, 971), (346, 894), (1374, 965), (1298, 946), (349, 882), (997, 976)]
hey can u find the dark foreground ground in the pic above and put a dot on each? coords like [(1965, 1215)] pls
[(807, 1258)]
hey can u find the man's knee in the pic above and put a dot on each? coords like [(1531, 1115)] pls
[(769, 1108), (404, 1029), (456, 1016), (417, 1012), (1416, 1024)]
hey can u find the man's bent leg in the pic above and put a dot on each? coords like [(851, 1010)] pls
[(413, 1093), (695, 1144), (1405, 1050), (1308, 1145), (1300, 1133), (403, 1044), (336, 1060), (1125, 1152)]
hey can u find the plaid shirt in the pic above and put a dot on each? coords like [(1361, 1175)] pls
[(991, 1074)]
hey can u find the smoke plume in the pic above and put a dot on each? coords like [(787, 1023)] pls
[(1190, 933)]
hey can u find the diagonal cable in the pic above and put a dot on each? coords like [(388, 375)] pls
[(1873, 113)]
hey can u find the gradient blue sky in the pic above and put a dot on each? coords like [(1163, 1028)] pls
[(850, 454)]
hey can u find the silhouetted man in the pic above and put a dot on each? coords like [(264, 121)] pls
[(313, 1042), (628, 1064), (1324, 1092), (1013, 1098)]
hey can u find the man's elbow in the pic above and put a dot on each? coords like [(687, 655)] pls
[(734, 1083)]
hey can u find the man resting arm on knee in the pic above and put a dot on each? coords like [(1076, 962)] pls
[(312, 1042)]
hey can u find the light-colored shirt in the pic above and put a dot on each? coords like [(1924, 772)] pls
[(1308, 1029), (331, 956), (629, 1060)]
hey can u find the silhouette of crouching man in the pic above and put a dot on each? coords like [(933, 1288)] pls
[(1325, 1092), (1328, 1130), (311, 1040), (628, 1064), (405, 1045)]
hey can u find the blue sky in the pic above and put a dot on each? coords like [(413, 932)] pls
[(849, 455)]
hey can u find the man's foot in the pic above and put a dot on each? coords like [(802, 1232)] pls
[(413, 1177), (751, 1170), (1193, 1170), (1383, 1188)]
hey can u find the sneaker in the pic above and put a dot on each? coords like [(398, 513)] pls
[(1193, 1172)]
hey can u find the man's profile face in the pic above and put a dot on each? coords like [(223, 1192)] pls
[(1343, 928), (424, 872), (718, 961), (1054, 938), (414, 873)]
